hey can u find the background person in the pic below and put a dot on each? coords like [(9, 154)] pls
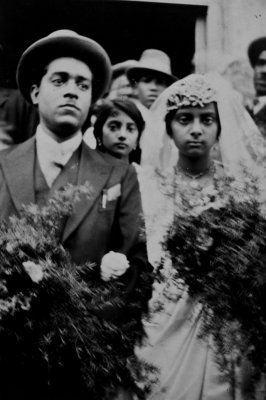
[(18, 118), (120, 88), (257, 58), (118, 129), (150, 78)]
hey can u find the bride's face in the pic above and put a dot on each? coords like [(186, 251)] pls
[(195, 130)]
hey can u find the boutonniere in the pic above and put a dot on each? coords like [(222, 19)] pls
[(111, 194)]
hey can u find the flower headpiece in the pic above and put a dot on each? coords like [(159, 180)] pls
[(192, 91)]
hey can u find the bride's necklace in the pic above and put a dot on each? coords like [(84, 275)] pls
[(185, 171), (194, 178)]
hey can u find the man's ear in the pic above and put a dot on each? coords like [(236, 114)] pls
[(34, 93)]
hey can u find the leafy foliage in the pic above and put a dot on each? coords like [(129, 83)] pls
[(53, 334), (217, 245)]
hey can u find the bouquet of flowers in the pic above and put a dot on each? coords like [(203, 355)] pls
[(217, 246), (52, 333)]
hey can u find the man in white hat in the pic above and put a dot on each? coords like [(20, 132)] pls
[(150, 78), (61, 74)]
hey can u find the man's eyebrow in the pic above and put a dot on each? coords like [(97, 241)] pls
[(65, 74), (80, 77), (59, 73)]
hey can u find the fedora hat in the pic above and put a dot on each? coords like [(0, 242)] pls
[(64, 43), (122, 67), (255, 48), (152, 61)]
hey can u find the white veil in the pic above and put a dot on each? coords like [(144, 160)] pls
[(240, 141)]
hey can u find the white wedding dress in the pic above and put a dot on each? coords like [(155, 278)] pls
[(186, 363)]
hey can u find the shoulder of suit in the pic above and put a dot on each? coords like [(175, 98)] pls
[(17, 150), (9, 150), (118, 166), (105, 157)]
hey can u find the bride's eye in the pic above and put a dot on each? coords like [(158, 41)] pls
[(183, 119), (208, 120)]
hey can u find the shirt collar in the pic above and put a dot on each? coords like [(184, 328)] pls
[(259, 103), (49, 148)]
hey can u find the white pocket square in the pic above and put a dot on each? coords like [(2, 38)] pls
[(113, 192)]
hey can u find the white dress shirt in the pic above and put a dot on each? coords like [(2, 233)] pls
[(52, 155), (259, 103)]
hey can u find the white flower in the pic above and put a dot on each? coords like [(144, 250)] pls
[(9, 248), (33, 270), (113, 265)]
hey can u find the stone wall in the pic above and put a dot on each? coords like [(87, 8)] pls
[(230, 26)]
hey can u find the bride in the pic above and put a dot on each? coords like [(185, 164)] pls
[(201, 132)]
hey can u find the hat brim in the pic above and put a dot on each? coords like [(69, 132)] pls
[(41, 53), (122, 67), (255, 48), (135, 73)]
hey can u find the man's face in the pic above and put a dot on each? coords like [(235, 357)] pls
[(63, 97), (149, 87), (260, 74)]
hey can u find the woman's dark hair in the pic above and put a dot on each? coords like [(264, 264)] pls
[(170, 116), (106, 109)]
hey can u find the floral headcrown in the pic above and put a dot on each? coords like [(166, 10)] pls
[(192, 91)]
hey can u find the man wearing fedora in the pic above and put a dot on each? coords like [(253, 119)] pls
[(257, 58), (120, 86), (150, 78), (61, 74)]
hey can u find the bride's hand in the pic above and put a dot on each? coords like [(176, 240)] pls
[(113, 265)]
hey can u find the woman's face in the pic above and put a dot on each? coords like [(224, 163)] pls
[(195, 130), (120, 134)]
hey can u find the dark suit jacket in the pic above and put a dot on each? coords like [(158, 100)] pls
[(20, 117), (259, 119), (92, 230)]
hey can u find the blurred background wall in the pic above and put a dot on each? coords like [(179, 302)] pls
[(198, 35)]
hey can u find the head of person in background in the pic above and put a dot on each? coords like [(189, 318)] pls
[(257, 58), (151, 76), (118, 129), (120, 85)]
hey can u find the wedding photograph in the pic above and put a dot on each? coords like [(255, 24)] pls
[(133, 200)]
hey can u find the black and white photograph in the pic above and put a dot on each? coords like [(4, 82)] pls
[(133, 200)]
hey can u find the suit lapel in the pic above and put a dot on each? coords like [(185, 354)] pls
[(96, 172), (18, 167)]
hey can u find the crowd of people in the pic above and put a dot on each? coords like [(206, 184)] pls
[(137, 134)]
